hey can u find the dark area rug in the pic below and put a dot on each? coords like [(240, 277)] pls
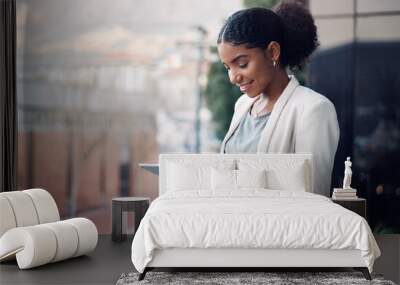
[(229, 278)]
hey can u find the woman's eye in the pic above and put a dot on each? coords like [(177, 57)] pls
[(243, 65)]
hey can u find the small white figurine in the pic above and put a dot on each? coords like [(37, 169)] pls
[(347, 174)]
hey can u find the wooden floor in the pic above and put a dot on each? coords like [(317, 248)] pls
[(111, 259)]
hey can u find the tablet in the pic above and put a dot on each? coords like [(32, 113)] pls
[(151, 167)]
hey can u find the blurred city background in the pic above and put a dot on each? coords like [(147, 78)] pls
[(104, 85)]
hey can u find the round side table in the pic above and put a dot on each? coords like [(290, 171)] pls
[(120, 206)]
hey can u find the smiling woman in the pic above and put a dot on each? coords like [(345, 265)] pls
[(276, 114)]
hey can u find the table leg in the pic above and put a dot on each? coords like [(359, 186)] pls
[(140, 211), (116, 234)]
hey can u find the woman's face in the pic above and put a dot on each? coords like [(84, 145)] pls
[(250, 69)]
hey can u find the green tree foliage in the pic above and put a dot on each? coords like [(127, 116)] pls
[(221, 96), (260, 3)]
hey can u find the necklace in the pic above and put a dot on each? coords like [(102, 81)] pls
[(259, 106)]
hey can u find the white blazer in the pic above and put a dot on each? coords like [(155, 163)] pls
[(302, 121)]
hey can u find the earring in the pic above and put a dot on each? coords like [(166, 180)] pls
[(274, 63)]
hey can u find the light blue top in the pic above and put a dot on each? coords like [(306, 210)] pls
[(247, 135)]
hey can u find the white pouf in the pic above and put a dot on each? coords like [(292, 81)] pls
[(31, 231), (41, 244)]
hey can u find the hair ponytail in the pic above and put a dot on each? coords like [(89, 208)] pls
[(299, 36)]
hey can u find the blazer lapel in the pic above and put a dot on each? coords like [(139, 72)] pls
[(266, 134)]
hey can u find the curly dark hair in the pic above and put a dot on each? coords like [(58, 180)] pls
[(290, 24)]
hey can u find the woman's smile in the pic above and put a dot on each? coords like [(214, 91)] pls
[(245, 87)]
